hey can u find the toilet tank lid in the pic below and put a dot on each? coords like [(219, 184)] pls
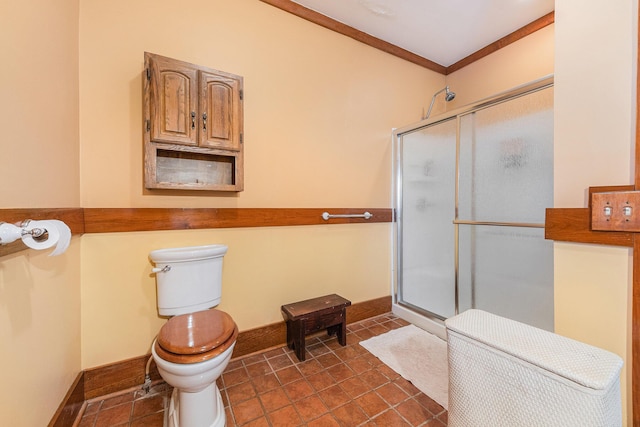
[(578, 362), (187, 253)]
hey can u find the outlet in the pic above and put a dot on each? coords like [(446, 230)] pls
[(615, 211)]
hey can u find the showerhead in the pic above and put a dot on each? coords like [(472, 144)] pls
[(448, 96)]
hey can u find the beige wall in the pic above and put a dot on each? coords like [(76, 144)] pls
[(263, 269), (319, 107), (519, 63), (319, 110), (594, 138), (39, 104), (40, 332), (39, 295)]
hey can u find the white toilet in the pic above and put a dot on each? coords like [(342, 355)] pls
[(194, 347)]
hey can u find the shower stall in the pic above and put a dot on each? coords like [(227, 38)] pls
[(471, 189)]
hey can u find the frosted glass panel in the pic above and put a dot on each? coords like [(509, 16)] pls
[(428, 158), (506, 160), (507, 271)]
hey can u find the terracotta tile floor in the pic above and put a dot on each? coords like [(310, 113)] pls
[(335, 386)]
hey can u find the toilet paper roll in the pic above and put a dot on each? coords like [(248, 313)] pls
[(63, 240), (58, 235)]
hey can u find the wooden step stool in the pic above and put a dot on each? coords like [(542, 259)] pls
[(311, 315)]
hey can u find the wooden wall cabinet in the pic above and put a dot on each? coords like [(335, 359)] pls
[(193, 125)]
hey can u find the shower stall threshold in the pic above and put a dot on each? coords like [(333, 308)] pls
[(433, 326)]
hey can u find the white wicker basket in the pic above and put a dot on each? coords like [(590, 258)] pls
[(506, 373)]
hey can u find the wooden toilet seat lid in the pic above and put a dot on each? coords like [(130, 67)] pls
[(197, 333)]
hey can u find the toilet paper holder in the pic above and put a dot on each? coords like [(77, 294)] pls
[(9, 233), (37, 234)]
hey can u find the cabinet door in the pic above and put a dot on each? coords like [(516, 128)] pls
[(221, 110), (173, 107)]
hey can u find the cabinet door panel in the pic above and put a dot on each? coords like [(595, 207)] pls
[(174, 101), (221, 109)]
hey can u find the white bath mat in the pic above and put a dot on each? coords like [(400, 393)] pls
[(417, 356)]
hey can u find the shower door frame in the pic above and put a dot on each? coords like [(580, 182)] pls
[(425, 319)]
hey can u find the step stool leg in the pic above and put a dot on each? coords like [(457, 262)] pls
[(290, 334), (298, 339), (342, 333)]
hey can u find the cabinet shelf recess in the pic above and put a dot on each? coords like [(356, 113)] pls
[(185, 168)]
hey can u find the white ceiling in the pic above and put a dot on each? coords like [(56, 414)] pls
[(443, 31)]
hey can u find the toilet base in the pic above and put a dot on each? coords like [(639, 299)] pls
[(201, 409)]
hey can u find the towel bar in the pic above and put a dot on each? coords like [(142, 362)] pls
[(326, 215)]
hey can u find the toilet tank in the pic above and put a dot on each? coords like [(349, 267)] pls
[(188, 279)]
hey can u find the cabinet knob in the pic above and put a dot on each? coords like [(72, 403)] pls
[(193, 120), (204, 121)]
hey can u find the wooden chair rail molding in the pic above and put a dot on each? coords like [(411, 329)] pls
[(98, 220), (73, 217), (111, 220), (574, 224)]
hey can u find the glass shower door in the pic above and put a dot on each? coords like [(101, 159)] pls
[(471, 193), (505, 184), (426, 270)]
